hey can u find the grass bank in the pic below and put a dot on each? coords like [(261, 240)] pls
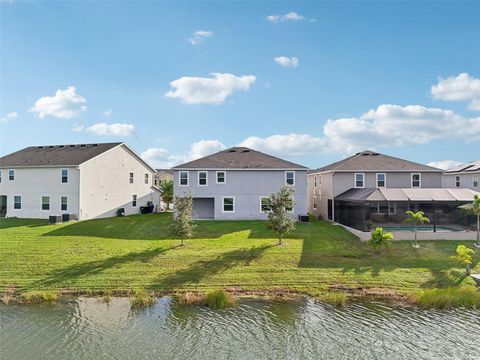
[(119, 255)]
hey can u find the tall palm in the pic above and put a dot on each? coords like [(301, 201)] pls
[(167, 192), (416, 218), (476, 211)]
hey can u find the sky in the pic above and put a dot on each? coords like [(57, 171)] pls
[(311, 82)]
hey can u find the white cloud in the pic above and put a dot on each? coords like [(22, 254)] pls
[(282, 145), (291, 16), (78, 127), (214, 90), (8, 117), (199, 36), (445, 164), (104, 129), (458, 88), (286, 61), (107, 113), (161, 158), (64, 104)]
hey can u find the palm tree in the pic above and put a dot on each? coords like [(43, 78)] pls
[(167, 192), (416, 218), (476, 211), (380, 238)]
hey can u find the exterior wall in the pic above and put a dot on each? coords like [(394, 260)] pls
[(323, 191), (466, 181), (105, 186), (247, 186), (33, 183), (162, 176)]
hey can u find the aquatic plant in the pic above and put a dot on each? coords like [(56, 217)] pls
[(447, 298), (218, 299), (39, 296), (141, 298)]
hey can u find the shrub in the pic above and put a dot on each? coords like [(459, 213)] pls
[(190, 298), (380, 238), (38, 296), (338, 299), (448, 298), (218, 299), (142, 299)]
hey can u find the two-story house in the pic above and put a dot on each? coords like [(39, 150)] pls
[(234, 184), (85, 181), (463, 176)]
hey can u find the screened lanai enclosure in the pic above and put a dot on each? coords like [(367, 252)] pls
[(364, 209)]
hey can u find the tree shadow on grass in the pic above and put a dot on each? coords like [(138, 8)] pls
[(6, 223), (204, 268), (62, 277)]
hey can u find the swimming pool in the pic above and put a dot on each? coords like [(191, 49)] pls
[(420, 228)]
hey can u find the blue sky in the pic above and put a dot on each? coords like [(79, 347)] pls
[(309, 81)]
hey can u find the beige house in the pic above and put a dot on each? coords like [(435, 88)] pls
[(162, 175), (86, 181)]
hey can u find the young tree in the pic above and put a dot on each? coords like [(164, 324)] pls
[(416, 218), (380, 238), (167, 192), (183, 225), (279, 217), (464, 257)]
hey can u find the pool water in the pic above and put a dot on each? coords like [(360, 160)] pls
[(420, 228)]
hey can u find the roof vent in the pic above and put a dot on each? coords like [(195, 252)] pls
[(94, 144), (51, 146), (245, 151), (231, 150), (60, 146), (72, 145), (40, 147), (83, 145)]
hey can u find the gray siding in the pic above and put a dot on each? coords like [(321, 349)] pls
[(466, 181), (247, 186)]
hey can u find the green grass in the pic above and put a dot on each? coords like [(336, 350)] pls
[(137, 252), (448, 298), (218, 299), (141, 299)]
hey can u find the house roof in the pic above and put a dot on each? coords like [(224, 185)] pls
[(167, 171), (55, 155), (408, 194), (372, 161), (470, 167), (240, 158)]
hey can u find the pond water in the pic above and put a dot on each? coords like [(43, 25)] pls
[(90, 329)]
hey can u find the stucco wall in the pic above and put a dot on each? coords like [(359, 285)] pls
[(33, 183), (247, 186), (466, 181)]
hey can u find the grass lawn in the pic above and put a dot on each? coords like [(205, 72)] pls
[(134, 252)]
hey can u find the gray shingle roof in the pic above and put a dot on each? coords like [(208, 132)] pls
[(55, 155), (239, 158), (167, 171), (373, 161)]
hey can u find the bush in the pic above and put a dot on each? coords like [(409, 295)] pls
[(448, 298), (338, 299), (190, 298), (218, 299), (142, 299), (38, 297)]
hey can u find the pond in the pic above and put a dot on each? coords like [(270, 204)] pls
[(87, 328)]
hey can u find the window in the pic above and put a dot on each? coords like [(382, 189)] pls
[(457, 181), (11, 174), (315, 181), (131, 178), (475, 181), (381, 180), (202, 178), (314, 203), (265, 204), (134, 200), (183, 178), (416, 180), (319, 179), (228, 204), (289, 178), (64, 203), (221, 177), (392, 208), (359, 180), (0, 176), (64, 176), (383, 208), (45, 202), (146, 178), (17, 202)]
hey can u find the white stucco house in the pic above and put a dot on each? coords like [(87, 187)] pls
[(86, 181)]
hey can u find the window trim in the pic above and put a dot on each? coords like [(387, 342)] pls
[(198, 177), (224, 177), (61, 176), (314, 181), (48, 197), (475, 179), (261, 198), (134, 200), (384, 180), (286, 183), (223, 204), (458, 182), (1, 176), (147, 178), (419, 180), (355, 180), (14, 202), (314, 203), (180, 177), (61, 203), (131, 177), (11, 176)]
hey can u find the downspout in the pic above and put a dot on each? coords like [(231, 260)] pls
[(434, 217), (333, 198)]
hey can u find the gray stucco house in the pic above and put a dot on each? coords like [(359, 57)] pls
[(463, 176), (230, 184)]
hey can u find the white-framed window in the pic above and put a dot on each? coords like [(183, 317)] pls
[(0, 176), (290, 178), (134, 200), (416, 180), (381, 180), (146, 178), (45, 202), (383, 208), (320, 180), (315, 203), (64, 203), (130, 179), (11, 174), (17, 202), (221, 177), (202, 178), (183, 178), (315, 181), (64, 176), (392, 208), (359, 180), (264, 204), (475, 181), (457, 181), (228, 204)]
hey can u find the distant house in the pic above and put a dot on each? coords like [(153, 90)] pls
[(463, 176), (162, 175), (87, 181), (234, 183)]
